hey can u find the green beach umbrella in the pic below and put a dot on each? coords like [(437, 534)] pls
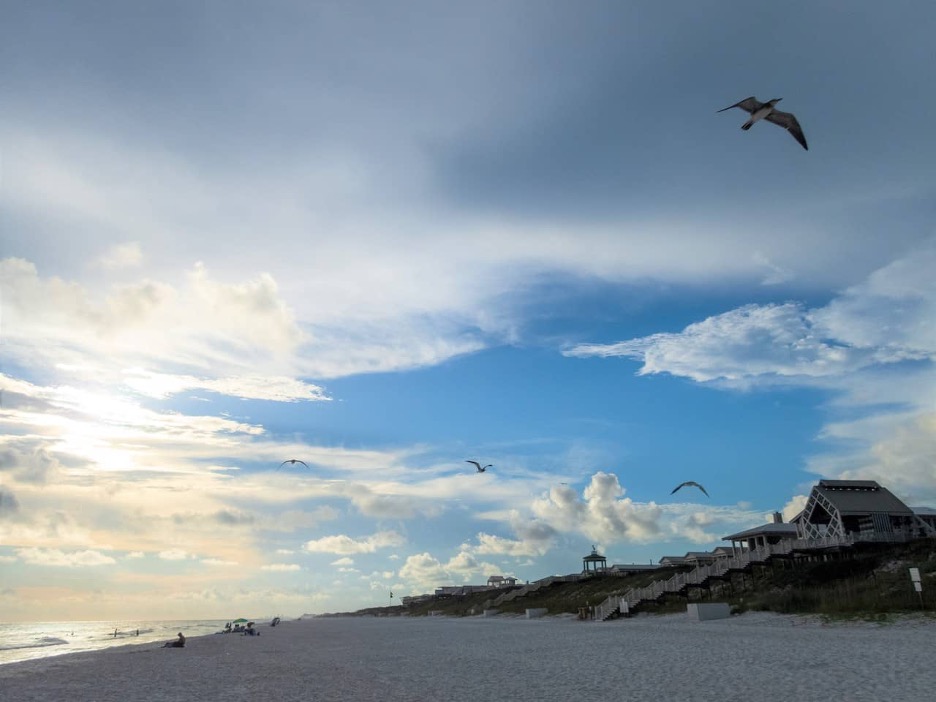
[(239, 621)]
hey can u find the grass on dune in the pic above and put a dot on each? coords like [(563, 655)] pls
[(870, 581)]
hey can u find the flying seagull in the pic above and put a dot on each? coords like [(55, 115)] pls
[(689, 482), (293, 461), (481, 468), (767, 110)]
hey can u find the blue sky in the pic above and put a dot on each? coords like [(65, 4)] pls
[(385, 240)]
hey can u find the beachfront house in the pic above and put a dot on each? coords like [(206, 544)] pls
[(723, 551), (698, 558), (496, 581), (764, 535), (458, 590), (692, 558), (631, 568), (858, 509)]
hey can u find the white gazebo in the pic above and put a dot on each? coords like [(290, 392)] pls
[(594, 562)]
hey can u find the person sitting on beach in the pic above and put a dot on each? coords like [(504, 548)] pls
[(179, 643)]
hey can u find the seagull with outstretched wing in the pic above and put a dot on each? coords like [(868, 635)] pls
[(481, 468), (293, 461), (692, 483), (767, 110)]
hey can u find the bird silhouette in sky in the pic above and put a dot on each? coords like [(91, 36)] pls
[(293, 461), (693, 483), (481, 468), (766, 110)]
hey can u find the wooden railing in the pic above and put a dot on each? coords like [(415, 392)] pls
[(719, 568)]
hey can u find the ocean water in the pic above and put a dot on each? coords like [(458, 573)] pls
[(28, 640)]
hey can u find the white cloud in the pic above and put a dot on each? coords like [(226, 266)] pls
[(895, 450), (175, 555), (601, 515), (60, 559), (241, 338), (693, 527), (281, 567), (389, 501), (66, 426), (893, 312), (534, 538), (424, 572), (796, 505), (346, 545), (422, 568), (741, 345), (278, 389), (126, 255), (338, 288), (887, 319), (873, 345), (498, 545), (345, 561)]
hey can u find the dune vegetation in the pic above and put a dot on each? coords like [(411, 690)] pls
[(871, 580)]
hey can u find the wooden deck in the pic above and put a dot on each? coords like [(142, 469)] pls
[(701, 576)]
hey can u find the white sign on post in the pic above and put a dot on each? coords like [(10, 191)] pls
[(917, 583)]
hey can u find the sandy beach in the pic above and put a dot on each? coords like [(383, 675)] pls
[(756, 656)]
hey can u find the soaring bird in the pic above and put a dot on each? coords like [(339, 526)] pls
[(293, 461), (692, 483), (481, 468), (766, 110)]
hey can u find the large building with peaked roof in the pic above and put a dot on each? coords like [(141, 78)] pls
[(859, 509)]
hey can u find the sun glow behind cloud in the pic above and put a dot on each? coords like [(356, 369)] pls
[(148, 472)]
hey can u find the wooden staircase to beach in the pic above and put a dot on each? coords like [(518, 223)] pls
[(701, 576)]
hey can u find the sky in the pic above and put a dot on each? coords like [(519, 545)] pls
[(385, 239)]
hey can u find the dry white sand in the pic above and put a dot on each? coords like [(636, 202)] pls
[(755, 657)]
